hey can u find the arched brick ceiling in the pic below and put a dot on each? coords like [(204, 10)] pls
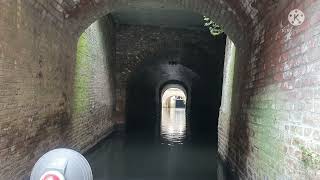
[(233, 15), (238, 17), (182, 19)]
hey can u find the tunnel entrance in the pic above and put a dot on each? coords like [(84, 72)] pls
[(173, 126), (173, 96)]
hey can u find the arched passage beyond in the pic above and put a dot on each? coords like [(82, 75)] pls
[(163, 86), (173, 127), (171, 93)]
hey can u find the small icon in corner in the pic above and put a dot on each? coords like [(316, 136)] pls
[(296, 17)]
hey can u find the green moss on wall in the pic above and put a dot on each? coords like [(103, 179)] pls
[(268, 138), (82, 75), (310, 159)]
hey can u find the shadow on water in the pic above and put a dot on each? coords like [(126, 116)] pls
[(175, 153)]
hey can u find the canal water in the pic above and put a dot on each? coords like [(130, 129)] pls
[(171, 153)]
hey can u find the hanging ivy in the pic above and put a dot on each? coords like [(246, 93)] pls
[(214, 28)]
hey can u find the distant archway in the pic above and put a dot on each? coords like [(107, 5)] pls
[(173, 96), (173, 126)]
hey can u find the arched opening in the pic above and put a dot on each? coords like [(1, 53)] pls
[(173, 126), (173, 96)]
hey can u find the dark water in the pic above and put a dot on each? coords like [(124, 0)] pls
[(171, 154)]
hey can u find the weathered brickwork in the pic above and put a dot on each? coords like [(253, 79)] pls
[(274, 131), (37, 65), (135, 44), (34, 95), (229, 13), (93, 99)]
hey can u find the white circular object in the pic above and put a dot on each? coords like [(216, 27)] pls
[(62, 164), (296, 17)]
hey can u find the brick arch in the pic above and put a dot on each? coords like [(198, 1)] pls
[(154, 52), (229, 14), (145, 59), (149, 58), (164, 84), (165, 97)]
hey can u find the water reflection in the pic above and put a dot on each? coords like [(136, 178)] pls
[(121, 158), (173, 125)]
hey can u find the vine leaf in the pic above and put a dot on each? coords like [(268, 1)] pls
[(214, 28)]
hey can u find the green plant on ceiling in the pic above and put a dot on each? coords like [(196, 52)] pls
[(214, 28)]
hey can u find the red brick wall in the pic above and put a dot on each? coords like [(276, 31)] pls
[(37, 67), (34, 96), (274, 132)]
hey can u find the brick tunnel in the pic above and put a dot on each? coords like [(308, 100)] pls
[(89, 75)]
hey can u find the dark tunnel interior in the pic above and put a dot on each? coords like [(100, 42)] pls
[(143, 149), (160, 142), (198, 67)]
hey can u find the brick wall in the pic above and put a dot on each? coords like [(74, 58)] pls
[(274, 131), (93, 99), (137, 44), (34, 96), (37, 71)]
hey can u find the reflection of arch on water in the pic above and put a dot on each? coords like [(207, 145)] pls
[(173, 96), (173, 114)]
